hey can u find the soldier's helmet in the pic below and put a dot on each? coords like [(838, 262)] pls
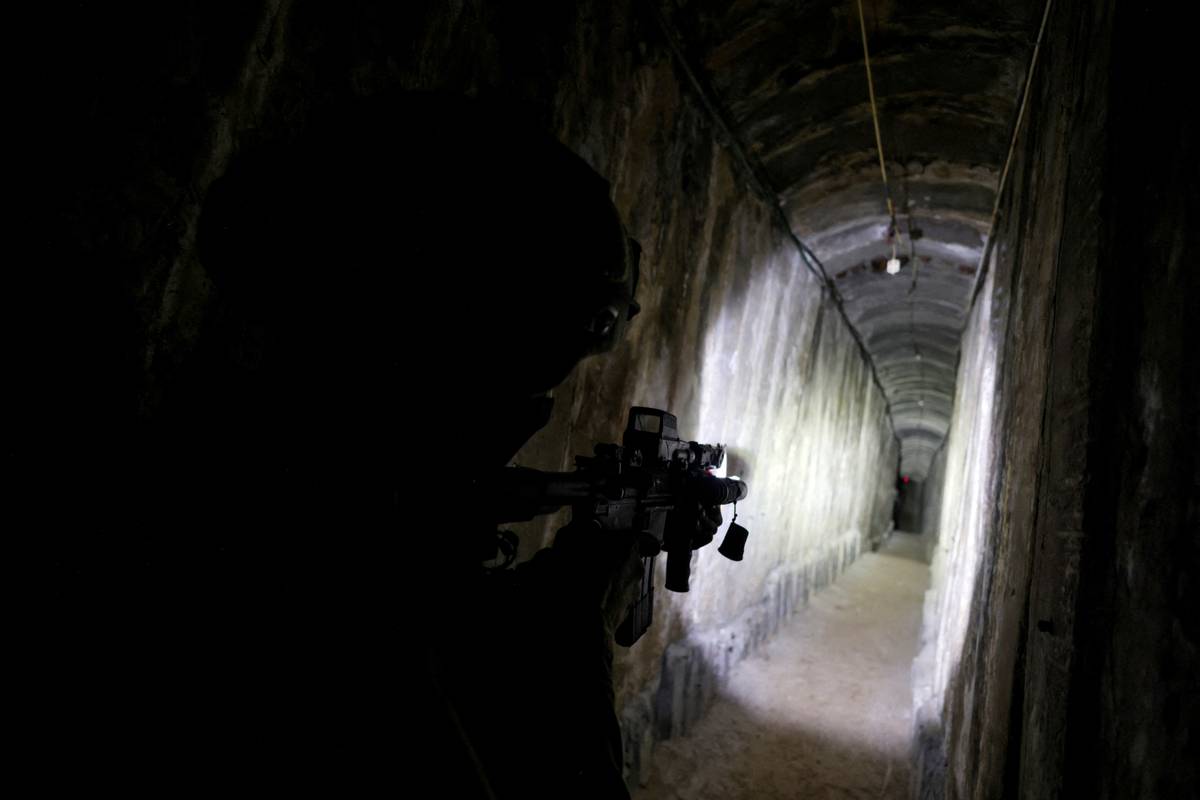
[(424, 233)]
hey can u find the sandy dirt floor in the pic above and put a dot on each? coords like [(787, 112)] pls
[(824, 710)]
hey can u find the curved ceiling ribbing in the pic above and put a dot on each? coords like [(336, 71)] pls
[(789, 78)]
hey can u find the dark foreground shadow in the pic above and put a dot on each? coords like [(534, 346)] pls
[(735, 753)]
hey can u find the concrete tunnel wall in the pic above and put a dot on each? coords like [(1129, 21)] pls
[(1059, 649), (736, 336), (958, 509)]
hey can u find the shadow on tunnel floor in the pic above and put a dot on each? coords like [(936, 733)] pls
[(737, 755)]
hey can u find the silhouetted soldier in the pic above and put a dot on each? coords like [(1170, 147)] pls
[(395, 290)]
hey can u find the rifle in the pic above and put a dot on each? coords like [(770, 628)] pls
[(654, 484)]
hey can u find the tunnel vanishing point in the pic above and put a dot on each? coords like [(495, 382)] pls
[(1029, 374)]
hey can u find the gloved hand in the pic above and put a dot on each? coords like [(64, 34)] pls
[(708, 520)]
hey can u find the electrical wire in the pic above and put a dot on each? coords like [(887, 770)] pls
[(875, 119), (1012, 147), (981, 270)]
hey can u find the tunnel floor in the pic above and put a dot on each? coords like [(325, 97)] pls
[(824, 710)]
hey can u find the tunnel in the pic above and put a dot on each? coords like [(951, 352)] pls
[(922, 269)]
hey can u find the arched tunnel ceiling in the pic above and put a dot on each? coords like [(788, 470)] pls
[(788, 76)]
